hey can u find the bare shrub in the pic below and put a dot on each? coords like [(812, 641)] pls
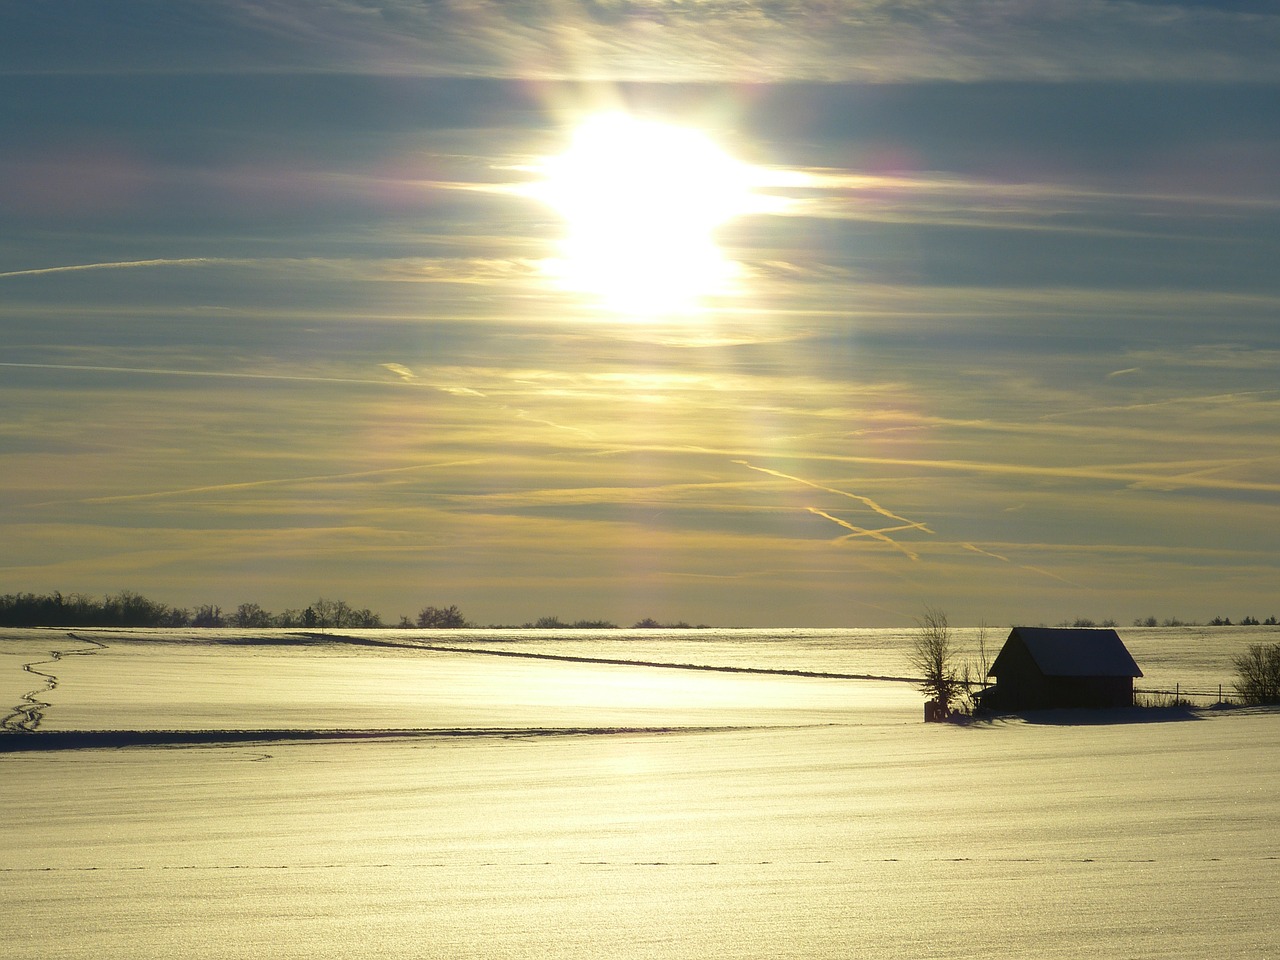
[(1258, 674), (933, 655)]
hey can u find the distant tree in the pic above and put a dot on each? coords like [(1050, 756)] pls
[(1146, 622), (1258, 674), (288, 618), (340, 614), (177, 617), (1220, 622), (251, 615), (327, 612), (366, 619), (548, 623), (129, 609), (436, 618), (594, 625), (210, 615), (1249, 622), (1270, 621), (933, 655)]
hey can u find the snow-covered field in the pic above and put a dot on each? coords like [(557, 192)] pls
[(526, 807)]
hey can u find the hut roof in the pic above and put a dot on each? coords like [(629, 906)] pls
[(1068, 652)]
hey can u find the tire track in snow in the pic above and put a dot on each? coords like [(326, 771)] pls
[(28, 714)]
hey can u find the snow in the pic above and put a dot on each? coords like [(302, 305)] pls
[(742, 815)]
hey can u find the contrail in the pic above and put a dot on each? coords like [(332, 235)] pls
[(874, 534), (115, 265), (1050, 574), (863, 532), (1020, 566), (401, 371), (237, 375), (530, 418), (162, 372), (279, 481), (985, 553), (866, 501)]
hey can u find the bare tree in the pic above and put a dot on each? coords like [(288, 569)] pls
[(984, 655), (210, 615), (251, 615), (325, 612), (973, 675), (1258, 674), (933, 656), (441, 617)]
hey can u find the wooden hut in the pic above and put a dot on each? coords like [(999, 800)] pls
[(1051, 667)]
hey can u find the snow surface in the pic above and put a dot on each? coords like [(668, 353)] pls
[(740, 815)]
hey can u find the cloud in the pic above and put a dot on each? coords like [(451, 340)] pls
[(1145, 475), (1224, 356), (186, 492), (955, 200), (737, 40)]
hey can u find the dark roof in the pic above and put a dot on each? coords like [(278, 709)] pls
[(1074, 652)]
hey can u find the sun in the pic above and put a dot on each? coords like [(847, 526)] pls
[(641, 201)]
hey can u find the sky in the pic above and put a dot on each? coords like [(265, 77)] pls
[(882, 306)]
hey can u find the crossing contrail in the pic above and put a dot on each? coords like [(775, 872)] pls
[(865, 501), (862, 532)]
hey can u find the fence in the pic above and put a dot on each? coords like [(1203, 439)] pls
[(1191, 695)]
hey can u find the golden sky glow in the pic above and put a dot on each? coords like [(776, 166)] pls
[(376, 307)]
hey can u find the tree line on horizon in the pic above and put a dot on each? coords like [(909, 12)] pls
[(129, 609), (1246, 621)]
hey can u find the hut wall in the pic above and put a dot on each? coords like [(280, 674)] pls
[(1021, 686)]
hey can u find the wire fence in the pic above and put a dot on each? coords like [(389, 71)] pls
[(1193, 695)]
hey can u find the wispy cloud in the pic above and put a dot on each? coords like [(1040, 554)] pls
[(671, 40), (277, 482), (1148, 475)]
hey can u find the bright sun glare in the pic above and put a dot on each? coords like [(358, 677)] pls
[(641, 201)]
